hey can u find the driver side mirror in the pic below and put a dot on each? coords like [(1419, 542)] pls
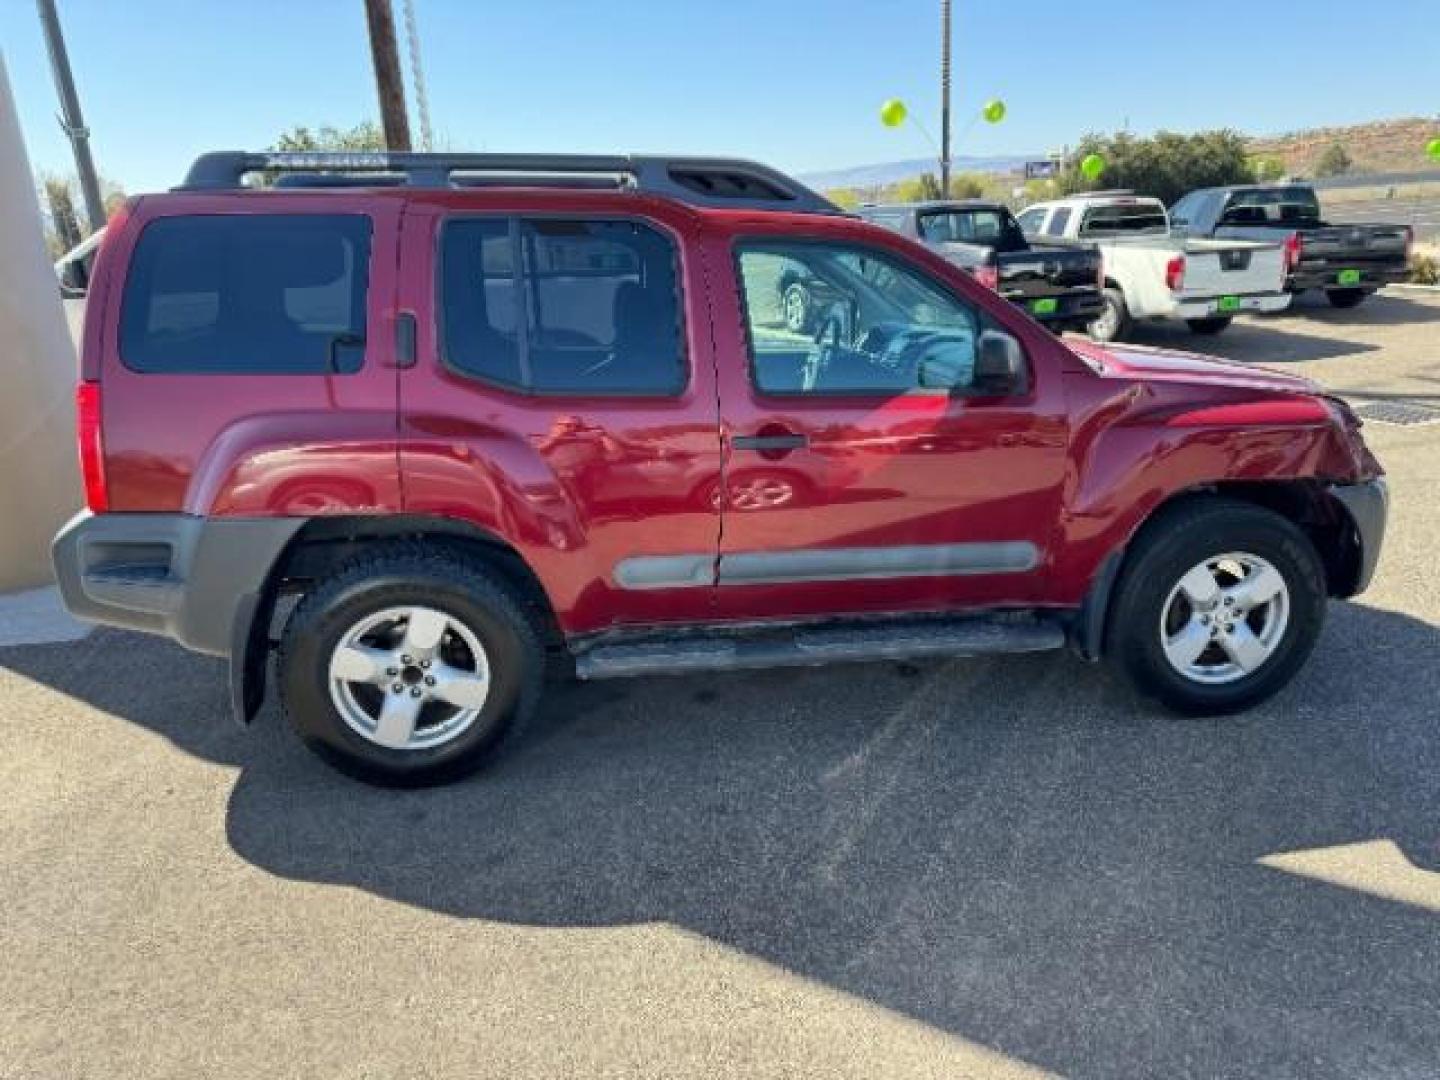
[(999, 365)]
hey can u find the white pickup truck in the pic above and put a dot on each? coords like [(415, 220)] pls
[(1150, 274)]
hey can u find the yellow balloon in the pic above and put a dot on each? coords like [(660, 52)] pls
[(1433, 149), (994, 110), (893, 112)]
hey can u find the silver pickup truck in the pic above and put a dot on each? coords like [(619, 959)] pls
[(1151, 274)]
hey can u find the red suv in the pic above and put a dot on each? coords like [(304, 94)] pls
[(432, 423)]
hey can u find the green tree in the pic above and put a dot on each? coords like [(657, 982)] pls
[(1334, 161), (921, 188), (845, 198), (967, 186), (365, 135), (1267, 169), (1165, 166)]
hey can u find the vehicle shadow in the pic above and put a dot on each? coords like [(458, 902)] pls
[(1262, 341), (1012, 850)]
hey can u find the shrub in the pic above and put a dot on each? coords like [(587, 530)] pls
[(1424, 269)]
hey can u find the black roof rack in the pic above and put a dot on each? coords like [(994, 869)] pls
[(709, 182)]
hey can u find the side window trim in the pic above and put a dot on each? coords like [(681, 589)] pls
[(525, 313)]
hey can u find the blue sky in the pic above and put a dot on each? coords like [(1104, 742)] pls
[(796, 83)]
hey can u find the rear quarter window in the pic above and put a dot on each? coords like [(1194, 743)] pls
[(263, 294)]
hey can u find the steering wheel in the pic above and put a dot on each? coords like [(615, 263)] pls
[(818, 359)]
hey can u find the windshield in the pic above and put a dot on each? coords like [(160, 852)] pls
[(1266, 205), (990, 226), (1140, 217)]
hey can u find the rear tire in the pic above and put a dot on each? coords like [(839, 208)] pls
[(1208, 326), (1164, 608), (1345, 298), (486, 656), (1113, 323)]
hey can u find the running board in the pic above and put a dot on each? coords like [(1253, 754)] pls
[(807, 646)]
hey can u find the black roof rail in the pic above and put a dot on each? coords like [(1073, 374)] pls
[(709, 182)]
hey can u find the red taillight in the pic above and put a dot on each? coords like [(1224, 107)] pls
[(1175, 273), (989, 276), (92, 447), (1293, 247)]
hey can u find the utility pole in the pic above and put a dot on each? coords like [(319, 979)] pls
[(945, 98), (388, 81), (71, 121)]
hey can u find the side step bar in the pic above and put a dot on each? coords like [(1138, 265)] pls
[(806, 646)]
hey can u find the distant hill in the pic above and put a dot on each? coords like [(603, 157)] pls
[(1374, 147), (1378, 146), (890, 172)]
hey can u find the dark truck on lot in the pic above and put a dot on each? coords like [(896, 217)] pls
[(1349, 262), (1059, 286), (424, 440)]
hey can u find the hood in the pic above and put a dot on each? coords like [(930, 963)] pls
[(1140, 362)]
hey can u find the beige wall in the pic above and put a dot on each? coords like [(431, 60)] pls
[(39, 482)]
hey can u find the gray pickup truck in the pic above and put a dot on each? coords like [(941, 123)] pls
[(1349, 262), (1059, 286)]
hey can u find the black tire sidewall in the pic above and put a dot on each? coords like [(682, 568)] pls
[(1134, 636), (804, 296), (512, 655), (1345, 298)]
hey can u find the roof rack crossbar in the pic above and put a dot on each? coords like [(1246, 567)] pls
[(709, 182)]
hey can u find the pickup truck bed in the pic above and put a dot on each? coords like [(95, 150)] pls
[(1347, 261)]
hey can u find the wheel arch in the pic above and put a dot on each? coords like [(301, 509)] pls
[(324, 544), (1306, 503)]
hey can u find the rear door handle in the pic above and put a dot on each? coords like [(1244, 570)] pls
[(769, 442)]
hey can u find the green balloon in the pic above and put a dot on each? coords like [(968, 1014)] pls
[(1092, 166), (994, 110), (1432, 149), (893, 112)]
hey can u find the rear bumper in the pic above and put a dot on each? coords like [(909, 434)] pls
[(1208, 307), (177, 575), (1368, 506), (1328, 277), (1071, 309)]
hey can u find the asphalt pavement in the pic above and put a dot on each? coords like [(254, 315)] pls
[(1002, 867)]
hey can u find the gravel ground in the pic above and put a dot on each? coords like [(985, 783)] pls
[(1006, 867)]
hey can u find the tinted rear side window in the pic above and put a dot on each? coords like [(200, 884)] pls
[(256, 294), (562, 306)]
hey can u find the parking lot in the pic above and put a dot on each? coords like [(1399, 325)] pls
[(1003, 867)]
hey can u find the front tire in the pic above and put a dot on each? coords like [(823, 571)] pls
[(1113, 323), (1219, 605), (1208, 326), (1345, 298), (410, 667)]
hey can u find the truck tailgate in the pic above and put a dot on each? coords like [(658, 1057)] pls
[(1232, 268), (1352, 245), (1048, 271)]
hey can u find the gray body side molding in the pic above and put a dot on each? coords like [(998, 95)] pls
[(827, 564)]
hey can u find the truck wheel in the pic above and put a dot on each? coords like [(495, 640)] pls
[(1113, 322), (1208, 326), (409, 667), (1345, 298), (795, 306), (1219, 605)]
